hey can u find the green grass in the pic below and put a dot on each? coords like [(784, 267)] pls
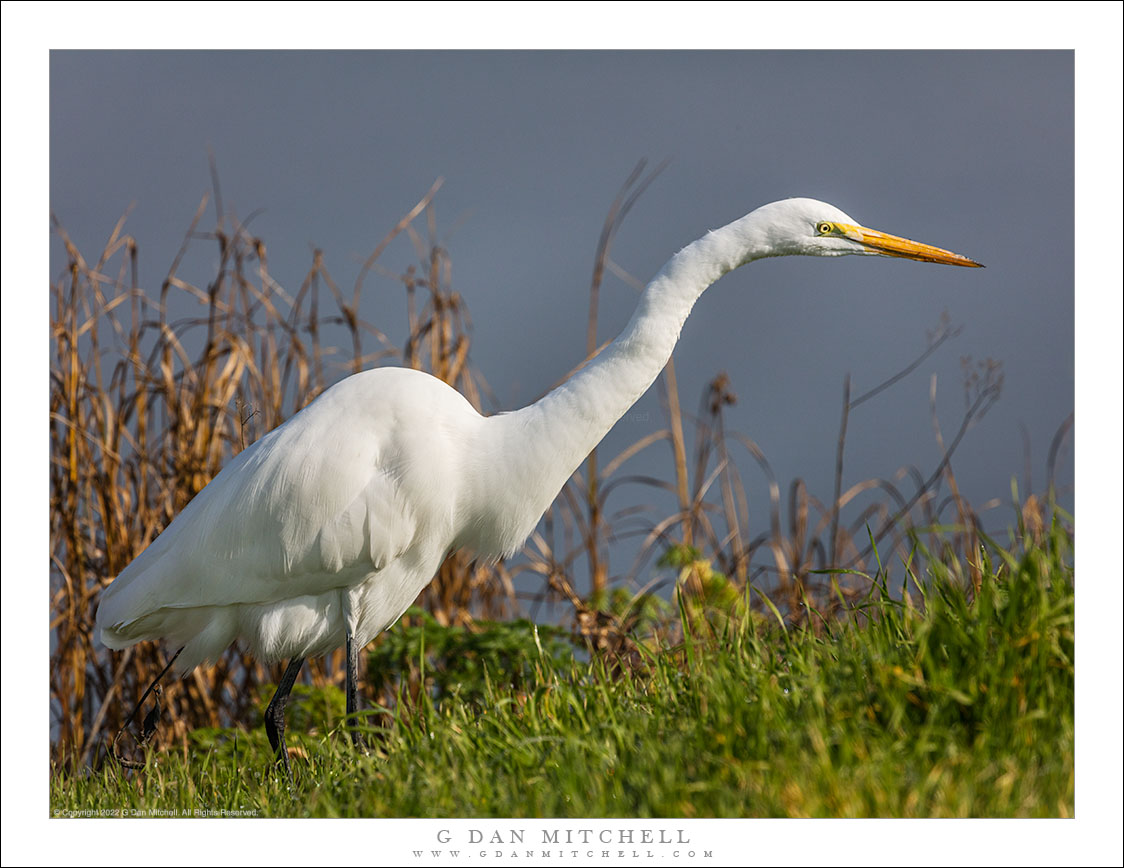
[(928, 699)]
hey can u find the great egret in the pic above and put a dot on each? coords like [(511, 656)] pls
[(324, 531)]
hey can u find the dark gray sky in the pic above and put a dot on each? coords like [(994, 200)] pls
[(969, 151), (958, 149)]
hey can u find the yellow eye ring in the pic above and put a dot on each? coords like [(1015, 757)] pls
[(825, 228)]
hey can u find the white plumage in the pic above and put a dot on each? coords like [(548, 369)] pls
[(284, 546)]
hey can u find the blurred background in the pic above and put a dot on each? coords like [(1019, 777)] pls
[(972, 151), (266, 253)]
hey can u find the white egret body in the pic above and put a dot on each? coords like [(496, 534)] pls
[(326, 529)]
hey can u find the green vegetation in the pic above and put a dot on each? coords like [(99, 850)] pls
[(948, 690)]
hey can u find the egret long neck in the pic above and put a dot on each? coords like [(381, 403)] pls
[(536, 449)]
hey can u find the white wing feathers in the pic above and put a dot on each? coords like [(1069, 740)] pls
[(306, 509)]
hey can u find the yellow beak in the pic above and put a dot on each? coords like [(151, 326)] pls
[(892, 245)]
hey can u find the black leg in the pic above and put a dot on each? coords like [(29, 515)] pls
[(352, 687), (275, 715), (151, 720)]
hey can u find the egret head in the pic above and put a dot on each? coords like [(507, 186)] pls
[(807, 227)]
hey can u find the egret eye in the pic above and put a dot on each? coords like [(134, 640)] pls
[(824, 228)]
